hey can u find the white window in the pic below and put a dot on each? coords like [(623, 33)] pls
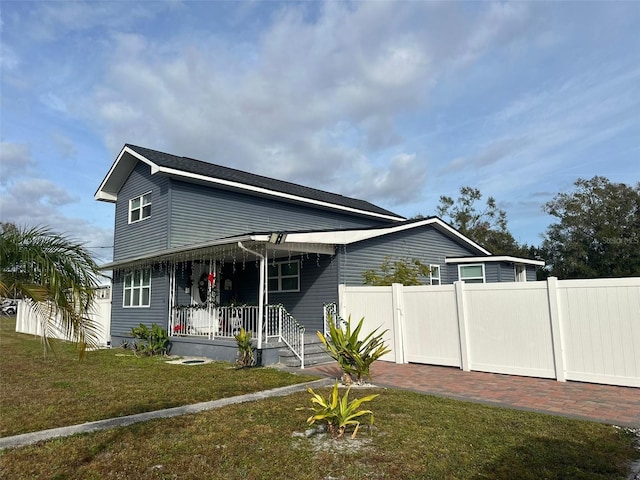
[(520, 272), (140, 208), (434, 275), (284, 276), (137, 289), (471, 273)]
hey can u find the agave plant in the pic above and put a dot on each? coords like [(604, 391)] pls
[(338, 413), (354, 356)]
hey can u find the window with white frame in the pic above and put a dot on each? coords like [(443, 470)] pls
[(434, 274), (471, 273), (140, 208), (284, 276), (137, 289)]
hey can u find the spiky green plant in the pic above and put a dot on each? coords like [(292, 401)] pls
[(153, 341), (338, 412), (354, 355), (245, 349)]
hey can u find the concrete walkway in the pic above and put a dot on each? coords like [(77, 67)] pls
[(33, 437), (600, 403)]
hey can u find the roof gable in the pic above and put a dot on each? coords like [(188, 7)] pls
[(189, 169), (346, 237)]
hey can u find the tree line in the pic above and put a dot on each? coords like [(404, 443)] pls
[(597, 232)]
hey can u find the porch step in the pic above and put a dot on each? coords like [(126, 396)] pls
[(314, 354)]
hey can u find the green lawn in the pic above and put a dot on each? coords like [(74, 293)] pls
[(416, 436), (57, 390)]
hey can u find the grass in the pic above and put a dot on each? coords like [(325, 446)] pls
[(416, 437), (57, 390)]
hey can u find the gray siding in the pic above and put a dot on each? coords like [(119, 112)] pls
[(506, 272), (424, 243), (531, 273), (123, 319), (148, 235), (493, 273), (318, 285), (200, 213)]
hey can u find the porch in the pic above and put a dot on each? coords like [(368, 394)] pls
[(198, 330), (277, 329)]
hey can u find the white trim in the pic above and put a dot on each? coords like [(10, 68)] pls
[(141, 207), (523, 273), (140, 287), (280, 277), (266, 191), (481, 265), (432, 277), (112, 197), (101, 195), (345, 237), (494, 258)]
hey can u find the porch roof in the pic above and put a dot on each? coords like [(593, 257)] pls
[(285, 243), (263, 243), (496, 258)]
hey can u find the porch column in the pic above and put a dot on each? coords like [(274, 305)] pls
[(172, 297), (261, 290), (261, 300)]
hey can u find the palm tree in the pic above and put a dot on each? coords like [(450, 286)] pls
[(55, 275)]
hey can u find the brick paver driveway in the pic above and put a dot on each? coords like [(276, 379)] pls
[(600, 403)]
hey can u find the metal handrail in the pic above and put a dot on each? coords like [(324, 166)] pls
[(330, 314)]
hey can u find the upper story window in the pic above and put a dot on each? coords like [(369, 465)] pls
[(140, 208), (137, 289), (434, 274), (471, 273), (284, 276)]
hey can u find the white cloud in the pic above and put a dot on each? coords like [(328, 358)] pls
[(28, 200), (277, 114), (15, 160)]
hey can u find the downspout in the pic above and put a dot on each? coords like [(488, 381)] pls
[(261, 292)]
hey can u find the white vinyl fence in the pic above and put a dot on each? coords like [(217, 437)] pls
[(584, 330), (28, 320)]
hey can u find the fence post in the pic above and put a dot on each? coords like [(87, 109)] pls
[(342, 300), (556, 331), (397, 305), (462, 326)]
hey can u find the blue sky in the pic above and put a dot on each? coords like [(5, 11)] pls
[(393, 102)]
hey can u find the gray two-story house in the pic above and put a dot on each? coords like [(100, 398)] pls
[(203, 250)]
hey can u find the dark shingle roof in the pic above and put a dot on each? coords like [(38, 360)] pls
[(199, 167)]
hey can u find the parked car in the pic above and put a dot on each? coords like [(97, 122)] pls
[(9, 306)]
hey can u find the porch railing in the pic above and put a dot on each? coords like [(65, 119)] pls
[(212, 322), (280, 324), (225, 322), (331, 314)]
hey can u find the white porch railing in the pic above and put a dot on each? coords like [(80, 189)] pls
[(330, 312), (225, 322), (193, 320), (281, 324)]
